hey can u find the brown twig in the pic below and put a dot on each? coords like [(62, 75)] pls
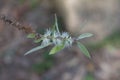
[(19, 26), (28, 29)]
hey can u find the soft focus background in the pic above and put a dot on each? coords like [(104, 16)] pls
[(100, 17)]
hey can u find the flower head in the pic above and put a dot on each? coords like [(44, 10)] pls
[(65, 35)]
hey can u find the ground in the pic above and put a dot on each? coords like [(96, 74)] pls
[(68, 64)]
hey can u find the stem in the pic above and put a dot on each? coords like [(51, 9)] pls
[(28, 29), (56, 23)]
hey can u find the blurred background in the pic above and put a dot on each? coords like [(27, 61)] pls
[(100, 17)]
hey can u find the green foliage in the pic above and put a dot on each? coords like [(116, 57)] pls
[(37, 48), (47, 63), (34, 3), (38, 40), (89, 76), (83, 49), (42, 67), (21, 1), (56, 49), (59, 40), (32, 35), (113, 40), (56, 24), (85, 35)]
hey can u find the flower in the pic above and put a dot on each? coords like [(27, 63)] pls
[(65, 35), (56, 38), (47, 33), (46, 40)]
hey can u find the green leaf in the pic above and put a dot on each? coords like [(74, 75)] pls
[(21, 1), (56, 49), (34, 3), (83, 49), (37, 48), (85, 35), (38, 40), (89, 76), (56, 24), (32, 35)]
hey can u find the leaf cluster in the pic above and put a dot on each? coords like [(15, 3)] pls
[(60, 40)]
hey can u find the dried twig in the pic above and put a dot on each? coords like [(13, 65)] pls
[(19, 26)]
